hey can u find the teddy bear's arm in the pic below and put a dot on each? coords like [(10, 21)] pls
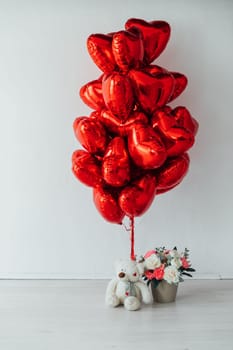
[(111, 288), (146, 296), (110, 298)]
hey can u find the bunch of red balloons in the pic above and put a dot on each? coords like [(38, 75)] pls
[(135, 144)]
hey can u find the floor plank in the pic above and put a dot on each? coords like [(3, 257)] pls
[(70, 314)]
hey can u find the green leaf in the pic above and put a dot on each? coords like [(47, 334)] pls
[(155, 283), (187, 274)]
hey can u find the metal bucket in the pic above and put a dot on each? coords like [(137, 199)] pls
[(164, 292)]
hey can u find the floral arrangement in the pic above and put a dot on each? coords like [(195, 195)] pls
[(168, 265)]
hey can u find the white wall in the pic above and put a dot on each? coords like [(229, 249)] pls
[(49, 225)]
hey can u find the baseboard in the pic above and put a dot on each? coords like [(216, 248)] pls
[(97, 276)]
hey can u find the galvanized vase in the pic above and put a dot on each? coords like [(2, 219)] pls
[(164, 292)]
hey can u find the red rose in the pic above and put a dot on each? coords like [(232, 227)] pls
[(185, 263), (159, 273), (149, 274), (149, 253)]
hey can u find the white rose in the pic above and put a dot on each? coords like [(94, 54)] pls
[(174, 253), (152, 262), (171, 274), (176, 262)]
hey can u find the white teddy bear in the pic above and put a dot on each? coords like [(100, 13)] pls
[(126, 288)]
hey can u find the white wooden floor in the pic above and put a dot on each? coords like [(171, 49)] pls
[(68, 315)]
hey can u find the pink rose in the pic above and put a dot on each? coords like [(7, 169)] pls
[(159, 273), (185, 263), (149, 253)]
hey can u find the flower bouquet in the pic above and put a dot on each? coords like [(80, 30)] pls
[(163, 270)]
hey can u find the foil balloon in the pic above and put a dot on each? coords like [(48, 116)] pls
[(136, 198), (107, 205), (100, 49), (86, 168), (77, 122), (91, 134), (128, 49), (95, 115), (155, 36), (179, 80), (91, 94), (185, 120), (115, 126), (135, 143), (146, 147), (177, 137), (158, 191), (116, 166), (118, 95), (172, 172), (154, 69), (180, 83), (152, 91)]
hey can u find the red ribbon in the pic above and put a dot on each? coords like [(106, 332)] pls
[(131, 229), (132, 255)]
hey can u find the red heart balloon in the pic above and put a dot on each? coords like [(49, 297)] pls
[(180, 83), (154, 69), (91, 94), (95, 115), (115, 166), (164, 190), (172, 172), (86, 168), (179, 80), (107, 205), (145, 147), (152, 91), (167, 80), (137, 172), (118, 95), (119, 128), (136, 198), (155, 36), (91, 134), (185, 120), (178, 139), (100, 49), (127, 47), (76, 123)]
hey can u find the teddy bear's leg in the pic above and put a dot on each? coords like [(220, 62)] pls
[(132, 303)]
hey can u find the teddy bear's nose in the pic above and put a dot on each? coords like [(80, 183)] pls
[(121, 274)]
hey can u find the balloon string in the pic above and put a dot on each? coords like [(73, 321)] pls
[(132, 255)]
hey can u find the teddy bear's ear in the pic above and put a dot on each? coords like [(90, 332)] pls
[(118, 263), (140, 267)]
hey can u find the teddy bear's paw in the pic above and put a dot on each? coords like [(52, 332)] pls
[(112, 300), (132, 303)]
